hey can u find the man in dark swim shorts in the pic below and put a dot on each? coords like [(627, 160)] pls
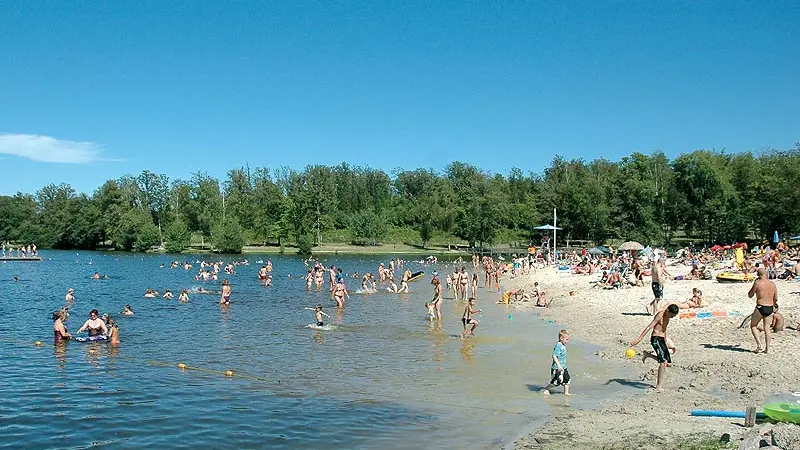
[(658, 339)]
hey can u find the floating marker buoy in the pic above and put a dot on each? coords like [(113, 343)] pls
[(38, 343), (181, 366), (228, 373)]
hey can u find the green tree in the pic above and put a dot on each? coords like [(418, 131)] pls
[(147, 237), (178, 237), (368, 228), (228, 236)]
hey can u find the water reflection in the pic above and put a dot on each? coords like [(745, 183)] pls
[(60, 354), (467, 350), (318, 338)]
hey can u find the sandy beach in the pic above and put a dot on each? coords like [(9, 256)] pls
[(714, 366)]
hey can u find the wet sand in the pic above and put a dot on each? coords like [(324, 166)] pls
[(714, 366)]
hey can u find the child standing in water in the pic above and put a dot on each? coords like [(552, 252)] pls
[(113, 331), (431, 311), (558, 370), (318, 313)]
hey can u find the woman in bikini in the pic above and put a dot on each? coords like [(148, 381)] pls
[(226, 293), (339, 292)]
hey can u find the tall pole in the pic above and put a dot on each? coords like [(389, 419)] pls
[(555, 255)]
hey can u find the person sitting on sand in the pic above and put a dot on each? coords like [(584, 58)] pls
[(541, 296)]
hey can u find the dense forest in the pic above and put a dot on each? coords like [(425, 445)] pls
[(712, 197)]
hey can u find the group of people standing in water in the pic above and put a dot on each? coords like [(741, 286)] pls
[(463, 284)]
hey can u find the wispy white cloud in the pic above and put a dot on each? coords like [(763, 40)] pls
[(49, 149)]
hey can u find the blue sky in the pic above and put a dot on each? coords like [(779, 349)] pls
[(91, 91)]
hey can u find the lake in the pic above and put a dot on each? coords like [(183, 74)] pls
[(382, 377)]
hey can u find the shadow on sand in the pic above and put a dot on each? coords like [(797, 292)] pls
[(629, 383), (728, 347), (536, 387)]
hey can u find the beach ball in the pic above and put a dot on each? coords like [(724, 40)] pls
[(630, 353)]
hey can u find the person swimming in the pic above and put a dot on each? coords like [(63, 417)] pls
[(127, 311)]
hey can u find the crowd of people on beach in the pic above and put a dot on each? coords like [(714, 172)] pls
[(627, 270), (23, 251)]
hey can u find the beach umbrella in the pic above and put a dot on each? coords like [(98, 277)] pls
[(546, 227), (631, 245), (716, 248), (596, 251)]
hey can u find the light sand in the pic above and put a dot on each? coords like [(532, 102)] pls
[(714, 367)]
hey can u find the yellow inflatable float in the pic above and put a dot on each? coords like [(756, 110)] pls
[(735, 277)]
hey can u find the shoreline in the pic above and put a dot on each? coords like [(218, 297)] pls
[(714, 368)]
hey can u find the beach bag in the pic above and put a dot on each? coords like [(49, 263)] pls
[(707, 275)]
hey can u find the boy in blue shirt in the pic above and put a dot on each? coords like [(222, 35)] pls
[(558, 370)]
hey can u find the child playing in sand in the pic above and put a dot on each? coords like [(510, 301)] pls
[(559, 375)]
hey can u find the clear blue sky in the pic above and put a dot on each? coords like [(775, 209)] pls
[(177, 87)]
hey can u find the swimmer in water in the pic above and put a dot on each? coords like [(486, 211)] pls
[(94, 325), (318, 313), (184, 297), (226, 293), (70, 297), (127, 311), (168, 294), (149, 293), (15, 279), (96, 276), (113, 331)]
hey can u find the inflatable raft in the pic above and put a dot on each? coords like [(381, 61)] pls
[(416, 275), (783, 408), (733, 277)]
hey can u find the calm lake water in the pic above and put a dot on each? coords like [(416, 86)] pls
[(383, 377)]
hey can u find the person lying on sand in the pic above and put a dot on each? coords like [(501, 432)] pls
[(695, 302)]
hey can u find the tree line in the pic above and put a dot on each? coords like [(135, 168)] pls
[(711, 196)]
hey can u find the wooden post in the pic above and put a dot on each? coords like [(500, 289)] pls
[(750, 416)]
